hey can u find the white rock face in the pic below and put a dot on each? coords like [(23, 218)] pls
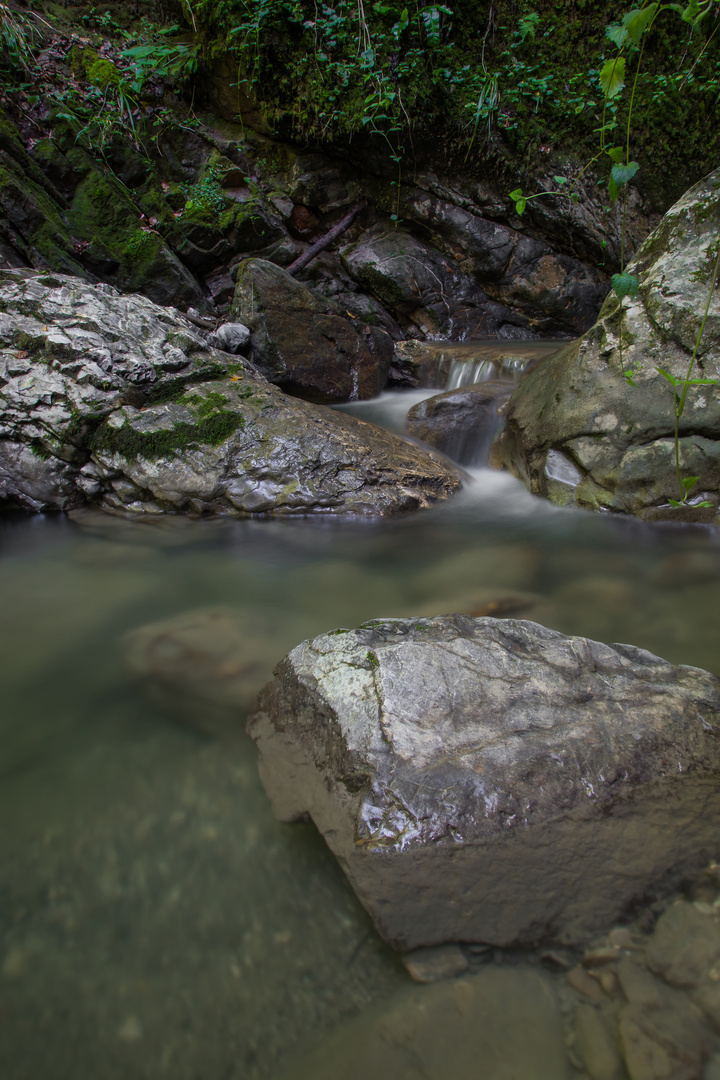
[(232, 337), (604, 405), (493, 781)]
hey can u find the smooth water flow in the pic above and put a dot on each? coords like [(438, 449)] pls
[(478, 361), (157, 920)]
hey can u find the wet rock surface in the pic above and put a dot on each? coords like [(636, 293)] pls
[(113, 400), (424, 289), (461, 422), (594, 426), (472, 776), (305, 344)]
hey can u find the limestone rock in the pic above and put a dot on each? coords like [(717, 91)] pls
[(233, 337), (422, 288), (578, 433), (485, 780), (461, 422), (301, 343), (113, 400)]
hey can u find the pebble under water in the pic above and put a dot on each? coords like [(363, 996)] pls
[(156, 920)]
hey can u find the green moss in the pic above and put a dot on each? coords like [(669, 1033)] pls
[(386, 290), (104, 74), (131, 444), (39, 450), (372, 659)]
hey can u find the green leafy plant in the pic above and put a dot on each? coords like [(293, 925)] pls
[(630, 36), (18, 37)]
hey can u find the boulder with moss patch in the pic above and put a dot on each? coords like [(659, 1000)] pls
[(114, 400), (594, 425)]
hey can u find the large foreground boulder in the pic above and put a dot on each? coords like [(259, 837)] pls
[(594, 425), (494, 781), (113, 400)]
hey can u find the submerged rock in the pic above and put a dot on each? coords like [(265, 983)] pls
[(462, 422), (498, 1025), (493, 781), (113, 400), (594, 425)]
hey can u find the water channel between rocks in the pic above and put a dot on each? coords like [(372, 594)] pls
[(157, 921)]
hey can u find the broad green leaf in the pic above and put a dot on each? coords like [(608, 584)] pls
[(616, 153), (666, 375), (701, 382), (516, 194), (675, 504), (560, 179), (617, 34), (622, 173), (624, 285), (689, 482), (612, 77), (705, 502), (694, 12), (520, 206), (637, 21), (613, 189)]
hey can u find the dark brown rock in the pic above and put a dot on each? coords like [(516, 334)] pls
[(461, 422), (302, 344)]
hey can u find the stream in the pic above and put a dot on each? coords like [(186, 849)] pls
[(156, 919)]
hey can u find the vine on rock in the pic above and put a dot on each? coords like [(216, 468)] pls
[(630, 37)]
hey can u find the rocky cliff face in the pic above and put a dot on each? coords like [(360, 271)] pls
[(594, 425), (170, 208)]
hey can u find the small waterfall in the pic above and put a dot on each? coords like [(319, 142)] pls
[(468, 372)]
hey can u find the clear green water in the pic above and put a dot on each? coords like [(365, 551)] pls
[(156, 920)]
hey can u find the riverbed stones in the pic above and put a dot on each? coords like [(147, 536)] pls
[(113, 400), (498, 1024), (593, 426), (493, 781)]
